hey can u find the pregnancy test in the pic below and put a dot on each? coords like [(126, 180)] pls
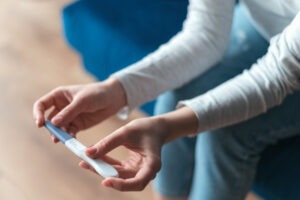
[(102, 168)]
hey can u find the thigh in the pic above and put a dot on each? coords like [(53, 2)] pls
[(176, 175), (226, 159), (225, 165), (278, 175), (246, 140)]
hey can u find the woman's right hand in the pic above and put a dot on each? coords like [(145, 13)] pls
[(78, 107)]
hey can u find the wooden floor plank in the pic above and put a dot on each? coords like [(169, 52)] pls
[(34, 59)]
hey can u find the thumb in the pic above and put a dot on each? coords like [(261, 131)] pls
[(106, 145), (68, 114)]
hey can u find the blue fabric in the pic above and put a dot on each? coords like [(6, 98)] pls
[(222, 163), (112, 34), (278, 174)]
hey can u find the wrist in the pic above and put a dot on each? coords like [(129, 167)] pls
[(117, 92), (179, 123)]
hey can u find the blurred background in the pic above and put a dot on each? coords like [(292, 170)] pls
[(34, 58)]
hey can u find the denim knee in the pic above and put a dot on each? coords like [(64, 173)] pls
[(176, 175)]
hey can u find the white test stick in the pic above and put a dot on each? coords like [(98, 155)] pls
[(102, 168)]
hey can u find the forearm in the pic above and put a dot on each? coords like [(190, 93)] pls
[(191, 52), (255, 91), (117, 92)]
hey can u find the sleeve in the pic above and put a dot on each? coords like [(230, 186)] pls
[(265, 85), (199, 45)]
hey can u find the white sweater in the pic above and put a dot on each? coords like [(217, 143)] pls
[(202, 43)]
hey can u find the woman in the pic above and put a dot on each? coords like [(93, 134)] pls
[(220, 161)]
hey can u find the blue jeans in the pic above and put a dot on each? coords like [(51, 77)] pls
[(221, 164)]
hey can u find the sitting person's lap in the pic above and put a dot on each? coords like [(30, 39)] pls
[(221, 163)]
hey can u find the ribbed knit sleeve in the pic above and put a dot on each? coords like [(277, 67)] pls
[(199, 45), (263, 86)]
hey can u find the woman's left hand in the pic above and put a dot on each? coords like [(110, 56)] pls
[(144, 139)]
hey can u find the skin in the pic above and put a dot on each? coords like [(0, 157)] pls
[(75, 108), (78, 107)]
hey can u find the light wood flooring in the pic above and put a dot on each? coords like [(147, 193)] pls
[(33, 60)]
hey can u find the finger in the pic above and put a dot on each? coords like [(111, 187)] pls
[(67, 114), (85, 120), (54, 139), (111, 160), (137, 183), (38, 113), (85, 165), (115, 163), (52, 114), (43, 104), (106, 145), (123, 172), (72, 130)]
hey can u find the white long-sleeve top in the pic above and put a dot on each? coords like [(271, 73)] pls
[(202, 43)]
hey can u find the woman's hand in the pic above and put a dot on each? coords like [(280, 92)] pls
[(78, 107), (144, 139)]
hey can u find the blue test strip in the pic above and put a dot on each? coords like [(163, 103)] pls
[(57, 132)]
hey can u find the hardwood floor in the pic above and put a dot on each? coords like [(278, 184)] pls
[(34, 59)]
